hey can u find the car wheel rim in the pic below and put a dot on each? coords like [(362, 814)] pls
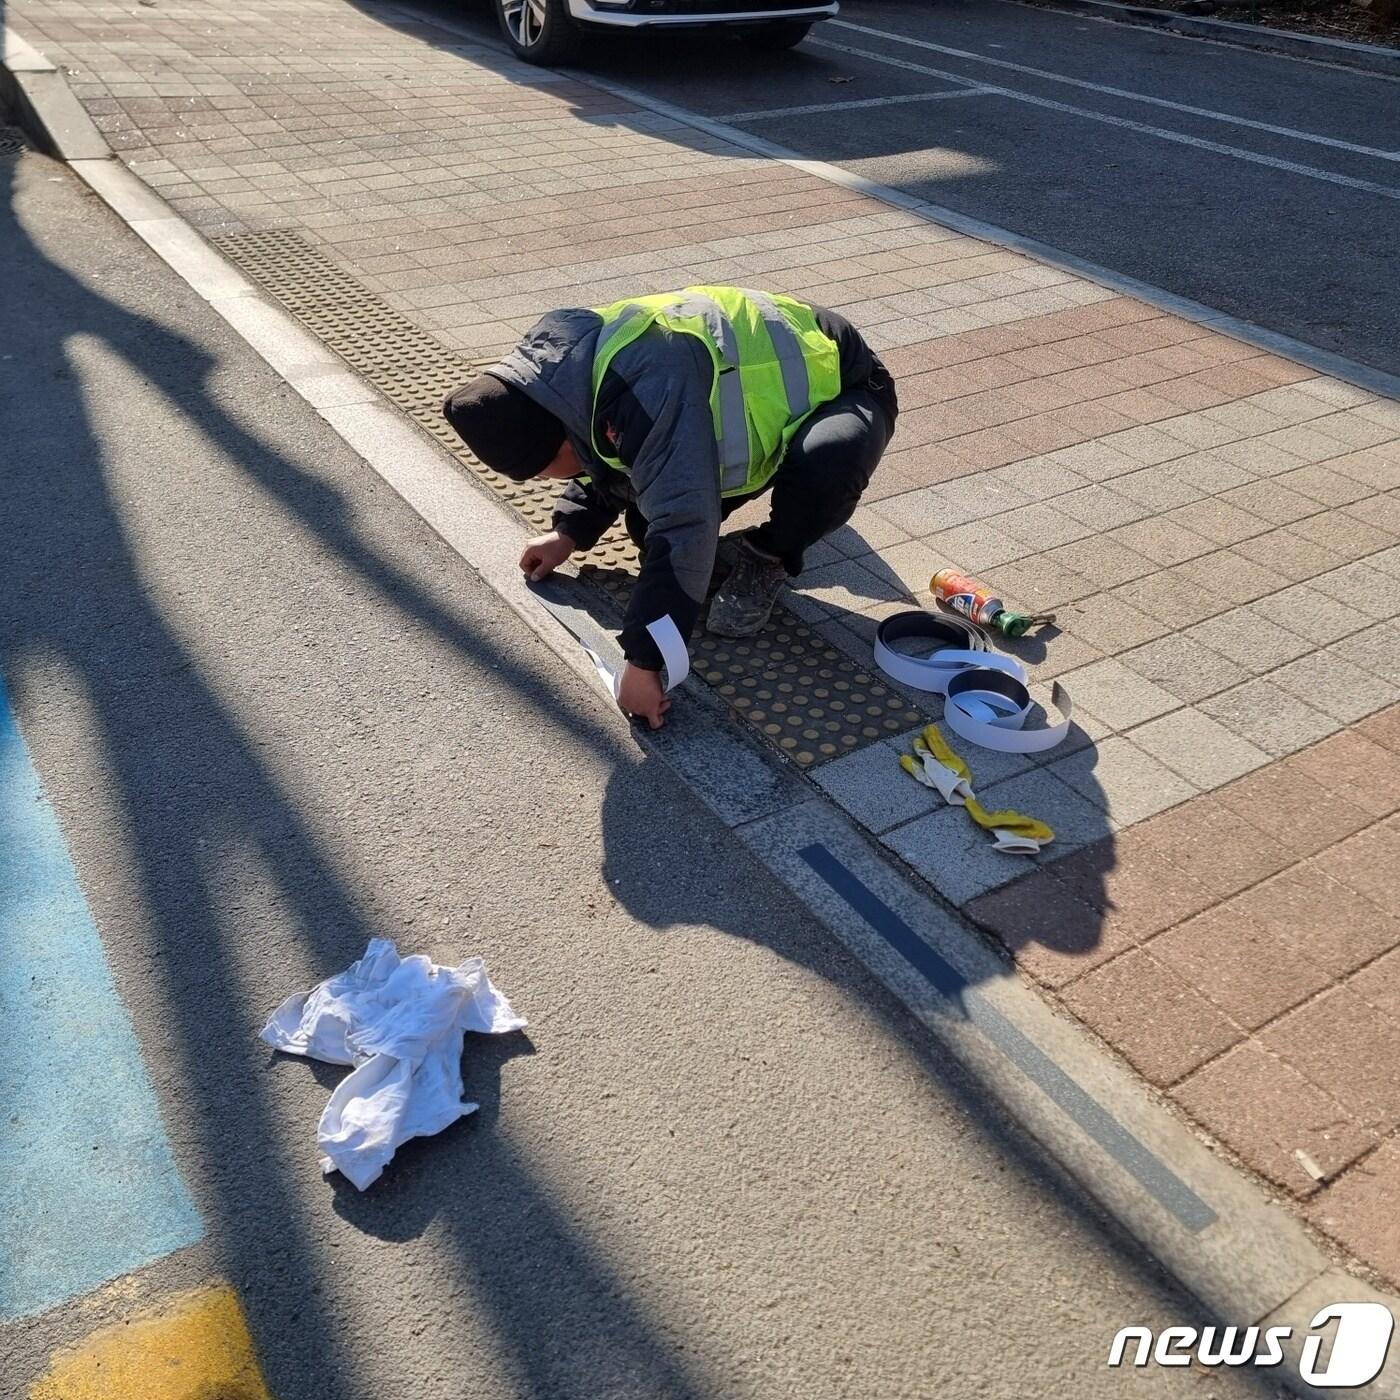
[(525, 21)]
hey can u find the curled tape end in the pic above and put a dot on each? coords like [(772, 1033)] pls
[(674, 655)]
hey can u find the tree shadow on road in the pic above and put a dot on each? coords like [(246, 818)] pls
[(229, 873)]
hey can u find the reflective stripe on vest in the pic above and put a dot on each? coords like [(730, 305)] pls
[(788, 351), (769, 376), (733, 436)]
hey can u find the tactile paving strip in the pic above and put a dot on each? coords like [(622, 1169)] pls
[(807, 699)]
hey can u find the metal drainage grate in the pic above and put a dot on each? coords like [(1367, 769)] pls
[(12, 142), (802, 696)]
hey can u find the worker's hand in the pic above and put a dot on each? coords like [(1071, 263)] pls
[(544, 554), (639, 694)]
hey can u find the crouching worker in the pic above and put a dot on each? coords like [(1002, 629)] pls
[(672, 411)]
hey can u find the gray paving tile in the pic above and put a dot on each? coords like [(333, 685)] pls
[(1270, 717), (1109, 623), (908, 566), (1043, 525), (1129, 783), (1376, 650), (978, 546), (1271, 502), (1231, 577), (1366, 590), (1378, 467), (1319, 483), (1101, 508), (1184, 668), (1217, 520), (847, 585), (1162, 541), (1172, 596), (1145, 446), (863, 532), (1117, 695), (1311, 614), (1387, 561), (1157, 488), (977, 496), (1258, 456), (1103, 562), (1301, 442), (1040, 478), (1292, 556), (949, 850), (871, 786), (1250, 639), (919, 513), (1334, 685), (1038, 583), (1208, 473), (1205, 752)]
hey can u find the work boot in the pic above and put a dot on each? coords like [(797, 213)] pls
[(726, 556), (747, 596)]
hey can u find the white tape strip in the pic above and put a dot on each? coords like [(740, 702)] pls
[(674, 656), (667, 637)]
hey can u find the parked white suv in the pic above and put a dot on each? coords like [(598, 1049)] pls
[(548, 31)]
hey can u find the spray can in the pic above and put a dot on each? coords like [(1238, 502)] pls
[(975, 600)]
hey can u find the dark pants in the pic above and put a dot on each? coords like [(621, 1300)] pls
[(819, 484)]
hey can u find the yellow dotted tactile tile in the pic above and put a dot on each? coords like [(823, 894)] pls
[(196, 1347), (802, 696)]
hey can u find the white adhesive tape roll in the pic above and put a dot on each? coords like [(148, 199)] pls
[(950, 645), (990, 709), (986, 700)]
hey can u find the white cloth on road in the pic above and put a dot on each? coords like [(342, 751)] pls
[(401, 1023)]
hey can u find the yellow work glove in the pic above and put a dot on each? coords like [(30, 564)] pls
[(936, 766)]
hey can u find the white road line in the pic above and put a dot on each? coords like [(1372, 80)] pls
[(849, 106), (1206, 112), (1312, 172)]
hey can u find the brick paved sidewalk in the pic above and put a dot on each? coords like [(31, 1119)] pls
[(1217, 528)]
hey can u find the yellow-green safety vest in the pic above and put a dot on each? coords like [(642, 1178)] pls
[(774, 367)]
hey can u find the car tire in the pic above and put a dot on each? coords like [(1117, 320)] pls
[(539, 31), (773, 38)]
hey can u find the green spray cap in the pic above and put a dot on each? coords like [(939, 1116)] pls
[(1016, 624)]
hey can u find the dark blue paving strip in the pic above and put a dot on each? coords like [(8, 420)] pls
[(1156, 1178)]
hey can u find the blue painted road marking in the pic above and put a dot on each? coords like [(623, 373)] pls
[(1153, 1174), (89, 1189)]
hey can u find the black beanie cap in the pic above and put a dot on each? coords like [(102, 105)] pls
[(506, 429)]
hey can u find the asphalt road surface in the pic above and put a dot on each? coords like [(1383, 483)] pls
[(277, 716), (1265, 187)]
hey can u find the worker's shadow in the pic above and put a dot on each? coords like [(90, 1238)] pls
[(940, 843)]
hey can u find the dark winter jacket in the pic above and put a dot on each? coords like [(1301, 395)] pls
[(654, 412)]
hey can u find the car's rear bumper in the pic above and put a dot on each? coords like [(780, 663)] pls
[(638, 14)]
